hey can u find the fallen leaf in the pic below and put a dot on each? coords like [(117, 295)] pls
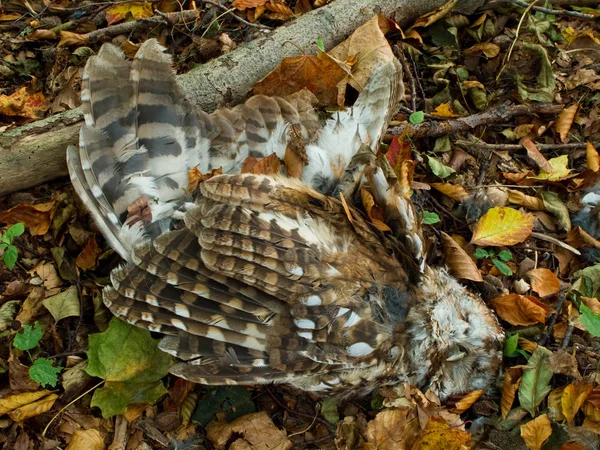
[(519, 198), (65, 304), (565, 363), (560, 170), (69, 38), (89, 255), (23, 104), (433, 16), (535, 382), (15, 401), (438, 434), (47, 273), (544, 282), (555, 405), (536, 155), (454, 191), (37, 218), (502, 226), (245, 4), (467, 401), (136, 10), (565, 120), (391, 429), (512, 379), (573, 397), (294, 164), (374, 212), (592, 157), (444, 110), (86, 440), (195, 177), (33, 409), (536, 432), (527, 345), (269, 165), (520, 309), (489, 49), (458, 261)]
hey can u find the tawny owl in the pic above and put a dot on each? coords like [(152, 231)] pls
[(259, 279)]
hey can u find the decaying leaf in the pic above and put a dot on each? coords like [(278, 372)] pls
[(544, 282), (467, 401), (37, 218), (89, 255), (33, 409), (69, 38), (458, 261), (565, 120), (269, 165), (23, 104), (573, 397), (489, 49), (536, 431), (374, 212), (136, 10), (431, 17), (519, 198), (438, 434), (520, 309), (454, 191), (502, 226), (512, 379), (86, 440), (15, 401), (195, 177), (536, 155), (593, 159), (391, 429), (65, 304)]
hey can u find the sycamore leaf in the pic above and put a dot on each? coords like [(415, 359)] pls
[(544, 282), (520, 309), (131, 364), (535, 383), (536, 432), (458, 261), (65, 304), (43, 372), (502, 226), (29, 338)]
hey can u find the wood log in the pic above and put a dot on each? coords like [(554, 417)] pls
[(35, 153)]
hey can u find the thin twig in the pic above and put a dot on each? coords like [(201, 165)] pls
[(550, 329), (558, 12), (409, 76), (568, 334), (235, 16), (517, 147)]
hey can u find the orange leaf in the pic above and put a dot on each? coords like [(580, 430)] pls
[(391, 429), (573, 397), (88, 256), (454, 191), (245, 4), (536, 432), (519, 198), (502, 226), (458, 261), (137, 10), (269, 165), (69, 38), (467, 401), (520, 309), (438, 434), (374, 212), (527, 345), (37, 218), (565, 120), (544, 282), (195, 177), (293, 163), (444, 110), (593, 159), (536, 155), (22, 104), (512, 380)]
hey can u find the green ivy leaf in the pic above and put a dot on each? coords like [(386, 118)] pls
[(130, 362), (417, 117), (511, 344), (29, 338), (42, 371), (481, 253), (505, 255), (502, 267), (438, 168), (430, 218), (590, 320), (10, 256)]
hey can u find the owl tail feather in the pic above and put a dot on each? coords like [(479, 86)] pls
[(133, 144)]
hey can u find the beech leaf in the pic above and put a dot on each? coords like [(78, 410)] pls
[(502, 226), (535, 383), (536, 432)]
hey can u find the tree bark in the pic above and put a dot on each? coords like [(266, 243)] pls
[(35, 153)]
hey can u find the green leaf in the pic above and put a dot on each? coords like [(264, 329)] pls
[(590, 320), (14, 230), (511, 344), (29, 338), (132, 365), (417, 117), (505, 255), (10, 256), (502, 267), (42, 371), (588, 282), (65, 304), (232, 401), (481, 253), (442, 145), (329, 410), (546, 83), (320, 44), (535, 383), (430, 218), (439, 169)]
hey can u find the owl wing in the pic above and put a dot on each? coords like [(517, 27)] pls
[(267, 278)]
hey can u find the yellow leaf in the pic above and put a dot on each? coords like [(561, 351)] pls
[(489, 49), (33, 409), (458, 261), (520, 309), (565, 120), (593, 159), (467, 401), (23, 104), (512, 380), (544, 282), (536, 431), (438, 435), (454, 191), (560, 169), (573, 397), (391, 429), (444, 110), (86, 440), (137, 10), (519, 198), (502, 226), (15, 401)]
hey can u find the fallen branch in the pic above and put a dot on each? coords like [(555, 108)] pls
[(517, 147), (35, 153)]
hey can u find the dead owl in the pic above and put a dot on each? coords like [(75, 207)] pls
[(259, 279)]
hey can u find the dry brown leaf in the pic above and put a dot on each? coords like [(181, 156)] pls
[(255, 431), (374, 212), (269, 165), (41, 34), (489, 49), (573, 397), (502, 226), (33, 409), (86, 440), (346, 208), (565, 363), (391, 430), (70, 38), (458, 261), (454, 191), (319, 74), (280, 8), (520, 309), (565, 120), (579, 238), (431, 17), (12, 402), (37, 218), (527, 345), (23, 104), (89, 255), (195, 177), (519, 198), (536, 155), (32, 305), (593, 159), (544, 282), (438, 434), (536, 432), (47, 273), (245, 4), (135, 10), (293, 163), (467, 401), (521, 179), (512, 380)]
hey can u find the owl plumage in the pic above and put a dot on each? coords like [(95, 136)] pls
[(266, 279)]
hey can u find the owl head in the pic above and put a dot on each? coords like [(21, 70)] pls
[(456, 342)]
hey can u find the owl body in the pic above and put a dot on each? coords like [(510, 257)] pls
[(260, 279)]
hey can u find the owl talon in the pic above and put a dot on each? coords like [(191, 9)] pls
[(138, 211)]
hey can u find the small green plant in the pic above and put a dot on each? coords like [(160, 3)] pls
[(498, 259), (430, 218), (417, 117), (42, 370), (11, 253)]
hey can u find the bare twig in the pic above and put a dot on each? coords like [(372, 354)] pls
[(550, 329), (235, 16), (516, 147), (558, 12), (409, 76)]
